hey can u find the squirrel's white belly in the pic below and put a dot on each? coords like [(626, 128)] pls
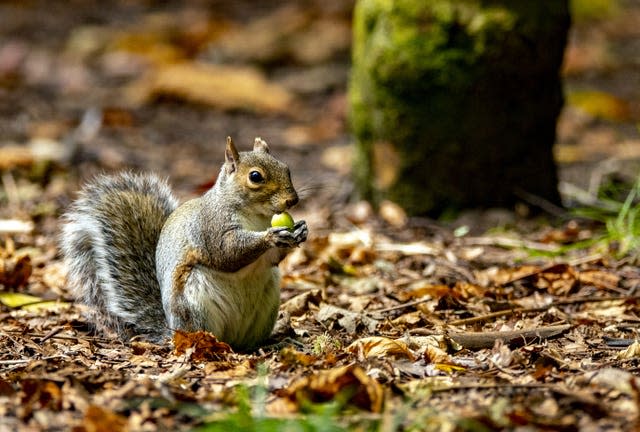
[(241, 307)]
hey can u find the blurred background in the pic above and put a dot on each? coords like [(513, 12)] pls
[(88, 86)]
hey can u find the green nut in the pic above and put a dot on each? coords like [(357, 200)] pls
[(283, 219)]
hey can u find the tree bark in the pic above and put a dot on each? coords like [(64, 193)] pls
[(454, 102)]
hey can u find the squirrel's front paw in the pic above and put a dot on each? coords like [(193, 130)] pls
[(300, 231), (283, 238)]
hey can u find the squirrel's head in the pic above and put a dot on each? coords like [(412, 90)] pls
[(260, 180)]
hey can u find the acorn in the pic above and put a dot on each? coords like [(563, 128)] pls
[(283, 219)]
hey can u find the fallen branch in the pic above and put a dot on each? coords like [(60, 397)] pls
[(480, 340)]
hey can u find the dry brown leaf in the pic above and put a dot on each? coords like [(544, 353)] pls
[(266, 38), (611, 378), (39, 394), (228, 370), (222, 87), (321, 40), (423, 289), (466, 290), (408, 319), (632, 351), (558, 279), (100, 419), (346, 319), (6, 389), (206, 346), (433, 354), (504, 276), (299, 304), (351, 382), (292, 357), (376, 346), (393, 214), (15, 156), (600, 279), (152, 45), (600, 104), (15, 271)]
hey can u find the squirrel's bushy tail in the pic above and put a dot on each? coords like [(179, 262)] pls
[(109, 240)]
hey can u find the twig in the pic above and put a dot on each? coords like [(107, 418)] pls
[(14, 362), (540, 202), (51, 334), (479, 340), (15, 226)]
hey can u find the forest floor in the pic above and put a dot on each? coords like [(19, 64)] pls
[(491, 321)]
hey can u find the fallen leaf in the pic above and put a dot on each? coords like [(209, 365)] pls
[(349, 382), (393, 214), (433, 354), (632, 351), (613, 379), (15, 156), (449, 368), (423, 289), (6, 389), (598, 278), (15, 271), (504, 276), (559, 279), (51, 305), (218, 86), (264, 39), (410, 319), (376, 346), (321, 41), (299, 304), (151, 44), (346, 319), (600, 104), (206, 346), (16, 300), (292, 357), (40, 394), (100, 419)]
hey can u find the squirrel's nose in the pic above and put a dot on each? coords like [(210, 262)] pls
[(292, 200)]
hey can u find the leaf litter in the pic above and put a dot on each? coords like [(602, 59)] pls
[(404, 322), (534, 336)]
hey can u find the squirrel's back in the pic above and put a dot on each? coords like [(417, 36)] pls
[(109, 239)]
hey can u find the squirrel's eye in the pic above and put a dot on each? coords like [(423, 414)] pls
[(256, 177)]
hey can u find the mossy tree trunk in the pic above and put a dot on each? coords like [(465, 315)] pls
[(454, 102)]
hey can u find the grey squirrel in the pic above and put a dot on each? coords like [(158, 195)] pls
[(148, 266)]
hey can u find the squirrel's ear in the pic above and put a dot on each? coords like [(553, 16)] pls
[(260, 145), (231, 156)]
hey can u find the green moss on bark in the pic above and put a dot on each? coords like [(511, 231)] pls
[(466, 92)]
